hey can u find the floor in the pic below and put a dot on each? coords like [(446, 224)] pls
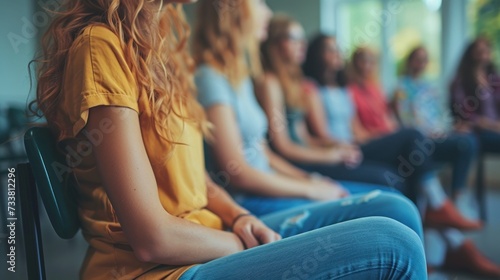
[(64, 257)]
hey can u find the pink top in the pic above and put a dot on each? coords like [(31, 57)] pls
[(371, 108)]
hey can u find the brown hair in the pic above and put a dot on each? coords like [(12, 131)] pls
[(290, 76), (411, 56), (154, 41), (466, 72), (353, 71), (224, 38)]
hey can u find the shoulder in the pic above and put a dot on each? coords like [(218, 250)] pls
[(98, 50), (212, 86), (310, 87), (270, 80), (207, 76), (269, 88), (101, 33), (206, 69), (96, 74), (272, 83), (352, 88), (209, 71), (96, 39)]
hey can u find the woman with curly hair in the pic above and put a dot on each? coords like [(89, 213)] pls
[(115, 84)]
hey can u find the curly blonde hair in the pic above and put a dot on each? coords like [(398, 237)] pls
[(224, 38), (154, 40)]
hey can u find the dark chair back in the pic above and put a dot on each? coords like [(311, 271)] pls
[(48, 173)]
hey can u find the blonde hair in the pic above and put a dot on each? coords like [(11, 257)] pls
[(224, 38), (289, 75), (353, 72), (154, 42)]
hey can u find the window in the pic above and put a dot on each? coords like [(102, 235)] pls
[(360, 25), (484, 19), (390, 27), (418, 23)]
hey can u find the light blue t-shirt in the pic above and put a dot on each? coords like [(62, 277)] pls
[(215, 89), (339, 110)]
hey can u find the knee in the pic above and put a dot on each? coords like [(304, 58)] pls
[(387, 230), (401, 209), (415, 140), (402, 244)]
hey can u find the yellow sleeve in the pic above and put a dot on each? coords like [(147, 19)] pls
[(97, 74)]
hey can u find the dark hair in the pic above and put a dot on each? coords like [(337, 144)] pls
[(411, 56), (465, 76), (315, 66)]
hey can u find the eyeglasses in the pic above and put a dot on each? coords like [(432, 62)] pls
[(295, 37)]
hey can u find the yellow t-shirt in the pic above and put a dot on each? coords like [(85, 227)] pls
[(97, 74)]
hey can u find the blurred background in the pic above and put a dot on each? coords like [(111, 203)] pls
[(391, 27)]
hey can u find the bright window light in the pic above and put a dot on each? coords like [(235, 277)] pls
[(433, 5)]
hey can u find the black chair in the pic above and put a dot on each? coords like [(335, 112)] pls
[(44, 173)]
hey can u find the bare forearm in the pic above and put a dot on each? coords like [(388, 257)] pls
[(269, 184), (314, 140), (319, 131), (295, 152), (181, 242), (221, 204), (325, 142), (488, 124), (284, 167)]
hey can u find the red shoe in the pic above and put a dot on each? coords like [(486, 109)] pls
[(448, 216), (430, 269), (467, 258)]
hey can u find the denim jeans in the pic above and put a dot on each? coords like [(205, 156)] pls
[(368, 171), (460, 150), (367, 236), (389, 161), (262, 205), (489, 141)]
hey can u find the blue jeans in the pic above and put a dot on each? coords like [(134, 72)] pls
[(371, 236), (460, 150), (489, 141), (262, 205), (388, 160)]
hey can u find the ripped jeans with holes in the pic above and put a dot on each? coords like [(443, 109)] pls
[(377, 235)]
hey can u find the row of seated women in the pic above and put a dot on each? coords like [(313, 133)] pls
[(337, 130), (309, 197)]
